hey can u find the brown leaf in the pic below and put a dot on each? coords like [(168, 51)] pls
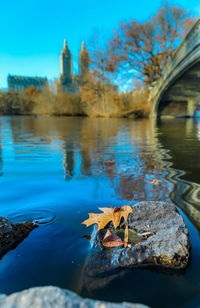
[(146, 234), (111, 240)]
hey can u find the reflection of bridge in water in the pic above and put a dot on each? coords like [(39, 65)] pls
[(184, 165), (186, 196), (180, 83)]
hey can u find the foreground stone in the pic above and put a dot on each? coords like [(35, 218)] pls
[(167, 249), (53, 297), (11, 234), (169, 246)]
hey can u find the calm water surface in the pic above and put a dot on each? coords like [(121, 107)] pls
[(56, 170)]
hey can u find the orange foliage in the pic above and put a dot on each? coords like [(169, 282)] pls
[(143, 49), (114, 214), (32, 91)]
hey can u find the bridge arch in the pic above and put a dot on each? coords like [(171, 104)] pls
[(181, 77)]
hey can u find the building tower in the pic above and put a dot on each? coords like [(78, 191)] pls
[(66, 63), (84, 62)]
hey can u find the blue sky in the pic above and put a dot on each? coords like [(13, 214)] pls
[(32, 31)]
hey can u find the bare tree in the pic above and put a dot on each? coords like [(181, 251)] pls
[(141, 50)]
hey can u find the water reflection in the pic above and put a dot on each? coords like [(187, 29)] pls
[(126, 152), (133, 156), (56, 170), (181, 137), (69, 162)]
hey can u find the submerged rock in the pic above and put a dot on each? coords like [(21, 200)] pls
[(11, 234), (53, 297), (168, 247)]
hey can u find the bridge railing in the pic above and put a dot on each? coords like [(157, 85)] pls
[(191, 40)]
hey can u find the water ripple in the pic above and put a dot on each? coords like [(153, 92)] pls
[(40, 216)]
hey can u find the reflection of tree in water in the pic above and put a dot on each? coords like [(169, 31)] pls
[(86, 162), (30, 130), (140, 174), (88, 140), (124, 151), (69, 162), (132, 165), (181, 138)]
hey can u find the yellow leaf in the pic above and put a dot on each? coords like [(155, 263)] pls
[(101, 219), (126, 236), (116, 216), (109, 214), (126, 210), (91, 220)]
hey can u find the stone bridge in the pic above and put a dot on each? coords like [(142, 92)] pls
[(180, 82)]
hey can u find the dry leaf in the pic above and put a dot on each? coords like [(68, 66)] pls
[(126, 236), (111, 239), (101, 219), (153, 182), (116, 216), (113, 214), (146, 234), (138, 244), (126, 210)]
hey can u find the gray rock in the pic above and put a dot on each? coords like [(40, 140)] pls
[(53, 297), (11, 234), (169, 246), (167, 249)]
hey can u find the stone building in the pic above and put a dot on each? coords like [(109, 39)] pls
[(19, 83), (67, 81)]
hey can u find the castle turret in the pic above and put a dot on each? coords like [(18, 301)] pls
[(66, 62), (84, 61)]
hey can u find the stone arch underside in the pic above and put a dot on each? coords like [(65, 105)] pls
[(183, 92)]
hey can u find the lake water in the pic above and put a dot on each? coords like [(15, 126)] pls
[(56, 170)]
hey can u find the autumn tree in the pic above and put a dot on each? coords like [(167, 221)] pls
[(142, 50), (98, 86), (32, 91)]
